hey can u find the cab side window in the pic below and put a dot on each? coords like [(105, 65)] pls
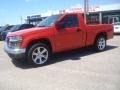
[(70, 20)]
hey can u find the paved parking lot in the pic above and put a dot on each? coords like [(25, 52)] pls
[(81, 69)]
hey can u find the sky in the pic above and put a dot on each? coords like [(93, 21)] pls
[(13, 11)]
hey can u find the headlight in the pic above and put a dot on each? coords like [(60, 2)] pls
[(14, 41)]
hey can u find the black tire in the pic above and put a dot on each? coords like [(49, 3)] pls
[(100, 43), (36, 61)]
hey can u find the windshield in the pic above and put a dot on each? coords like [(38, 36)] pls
[(15, 28), (49, 21), (116, 23), (3, 28)]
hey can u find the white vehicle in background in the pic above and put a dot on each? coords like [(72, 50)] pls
[(116, 26)]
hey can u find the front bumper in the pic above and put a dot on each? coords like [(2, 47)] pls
[(15, 53)]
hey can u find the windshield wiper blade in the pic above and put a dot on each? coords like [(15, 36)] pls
[(41, 26)]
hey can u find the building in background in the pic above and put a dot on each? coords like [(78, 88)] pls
[(35, 19), (100, 14)]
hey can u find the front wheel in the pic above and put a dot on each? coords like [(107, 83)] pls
[(38, 54), (100, 43)]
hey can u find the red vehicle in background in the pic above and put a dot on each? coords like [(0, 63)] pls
[(56, 33)]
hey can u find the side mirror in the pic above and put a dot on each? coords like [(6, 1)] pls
[(61, 25)]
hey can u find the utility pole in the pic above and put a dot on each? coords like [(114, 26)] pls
[(86, 10)]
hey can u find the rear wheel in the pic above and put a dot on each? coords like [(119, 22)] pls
[(100, 43), (39, 54)]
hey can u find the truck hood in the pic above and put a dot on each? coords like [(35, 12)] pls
[(30, 31)]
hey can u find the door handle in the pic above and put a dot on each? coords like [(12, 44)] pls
[(78, 30)]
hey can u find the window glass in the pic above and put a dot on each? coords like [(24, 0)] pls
[(25, 26), (92, 19), (14, 28), (49, 21), (70, 20)]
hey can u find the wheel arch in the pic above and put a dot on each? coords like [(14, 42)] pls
[(42, 40), (101, 34)]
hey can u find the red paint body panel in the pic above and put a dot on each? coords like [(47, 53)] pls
[(93, 30), (66, 38)]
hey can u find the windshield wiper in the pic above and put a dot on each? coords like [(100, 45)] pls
[(41, 26)]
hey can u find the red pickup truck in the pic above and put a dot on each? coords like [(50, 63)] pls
[(56, 33)]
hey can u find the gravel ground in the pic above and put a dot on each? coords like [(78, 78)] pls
[(81, 69)]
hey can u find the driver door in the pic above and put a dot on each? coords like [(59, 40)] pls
[(70, 36)]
